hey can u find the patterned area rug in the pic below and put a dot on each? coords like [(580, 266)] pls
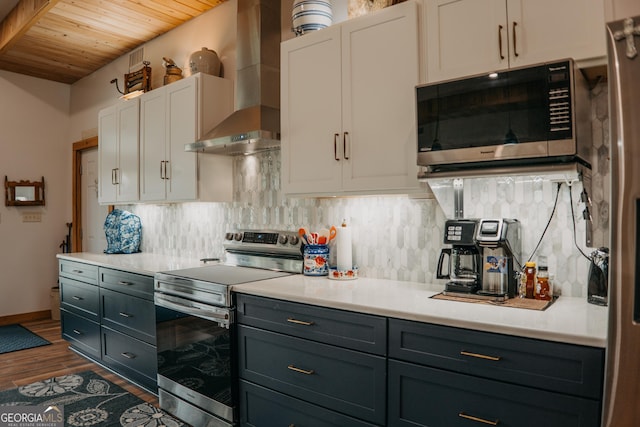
[(17, 337), (87, 399)]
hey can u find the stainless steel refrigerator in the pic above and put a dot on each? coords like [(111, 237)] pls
[(622, 383)]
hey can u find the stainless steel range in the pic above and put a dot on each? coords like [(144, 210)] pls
[(195, 327)]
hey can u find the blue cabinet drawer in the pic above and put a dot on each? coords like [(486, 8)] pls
[(346, 381), (82, 333), (261, 407), (80, 298), (553, 366), (423, 396), (356, 331), (135, 359), (130, 315), (78, 271), (129, 283)]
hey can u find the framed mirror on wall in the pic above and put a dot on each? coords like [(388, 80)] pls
[(24, 193)]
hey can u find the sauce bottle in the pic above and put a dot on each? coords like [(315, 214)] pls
[(543, 287), (530, 275)]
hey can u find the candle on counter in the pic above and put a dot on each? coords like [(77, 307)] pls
[(344, 254)]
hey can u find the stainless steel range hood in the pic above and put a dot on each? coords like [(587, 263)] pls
[(255, 125)]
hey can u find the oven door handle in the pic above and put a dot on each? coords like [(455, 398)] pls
[(217, 314)]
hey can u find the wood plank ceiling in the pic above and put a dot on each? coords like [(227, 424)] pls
[(66, 40)]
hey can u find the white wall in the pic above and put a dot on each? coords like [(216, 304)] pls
[(215, 30), (34, 119)]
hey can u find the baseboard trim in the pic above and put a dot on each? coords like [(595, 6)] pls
[(25, 317)]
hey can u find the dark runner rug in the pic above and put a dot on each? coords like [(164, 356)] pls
[(17, 337), (87, 399)]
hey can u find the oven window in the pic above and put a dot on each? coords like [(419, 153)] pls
[(509, 108), (195, 353)]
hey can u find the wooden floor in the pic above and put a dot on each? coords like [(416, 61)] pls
[(35, 364)]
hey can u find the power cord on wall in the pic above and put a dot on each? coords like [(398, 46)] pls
[(553, 211), (573, 221)]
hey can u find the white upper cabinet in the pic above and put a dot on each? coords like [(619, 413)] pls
[(118, 128), (170, 117), (467, 37), (348, 106)]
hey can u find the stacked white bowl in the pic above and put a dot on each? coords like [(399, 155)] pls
[(311, 15)]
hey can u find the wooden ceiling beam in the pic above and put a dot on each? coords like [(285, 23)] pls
[(20, 19)]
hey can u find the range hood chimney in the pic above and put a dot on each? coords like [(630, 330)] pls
[(255, 125)]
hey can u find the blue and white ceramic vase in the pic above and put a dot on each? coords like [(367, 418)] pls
[(310, 15)]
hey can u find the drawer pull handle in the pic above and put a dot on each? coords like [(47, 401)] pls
[(125, 314), (77, 298), (299, 322), (480, 420), (123, 283), (77, 332), (128, 355), (77, 271), (480, 356), (302, 371)]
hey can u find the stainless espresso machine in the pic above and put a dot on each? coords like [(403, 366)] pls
[(500, 245)]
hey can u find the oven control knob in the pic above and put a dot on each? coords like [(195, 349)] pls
[(237, 236), (293, 240), (283, 239), (228, 236)]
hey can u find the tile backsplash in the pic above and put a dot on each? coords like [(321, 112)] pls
[(395, 237)]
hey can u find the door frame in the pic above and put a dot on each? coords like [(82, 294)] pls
[(76, 192)]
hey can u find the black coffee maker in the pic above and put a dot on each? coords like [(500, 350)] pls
[(464, 269)]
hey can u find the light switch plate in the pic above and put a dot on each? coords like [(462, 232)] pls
[(31, 217)]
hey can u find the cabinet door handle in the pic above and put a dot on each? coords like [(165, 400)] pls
[(127, 315), (166, 175), (123, 283), (302, 371), (299, 322), (478, 419), (500, 27), (335, 146), (480, 356), (128, 355), (515, 46), (77, 332), (161, 173), (77, 298), (113, 177), (344, 145), (117, 175)]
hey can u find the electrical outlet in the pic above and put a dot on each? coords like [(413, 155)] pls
[(31, 217)]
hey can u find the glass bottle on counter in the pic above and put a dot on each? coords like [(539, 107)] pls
[(530, 277), (543, 285)]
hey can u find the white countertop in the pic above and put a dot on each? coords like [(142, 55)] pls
[(568, 320), (141, 263)]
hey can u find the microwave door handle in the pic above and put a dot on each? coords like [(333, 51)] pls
[(500, 27)]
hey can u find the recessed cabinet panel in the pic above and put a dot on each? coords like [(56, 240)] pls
[(175, 115), (312, 140), (423, 396), (468, 37), (348, 104), (118, 134)]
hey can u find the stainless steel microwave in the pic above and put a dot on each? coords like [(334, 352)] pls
[(531, 115)]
